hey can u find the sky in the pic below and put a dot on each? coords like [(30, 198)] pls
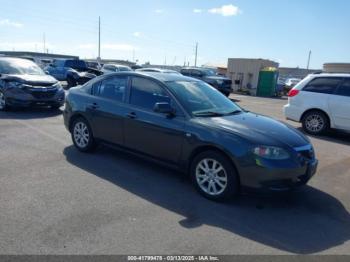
[(166, 32)]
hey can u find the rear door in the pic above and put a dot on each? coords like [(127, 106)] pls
[(108, 109), (340, 105), (317, 94), (148, 132)]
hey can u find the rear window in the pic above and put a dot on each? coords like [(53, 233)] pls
[(344, 88), (324, 85), (77, 64)]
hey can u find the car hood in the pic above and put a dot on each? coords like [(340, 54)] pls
[(257, 128), (32, 79)]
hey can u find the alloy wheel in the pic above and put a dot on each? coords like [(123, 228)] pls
[(81, 134), (314, 123), (211, 176)]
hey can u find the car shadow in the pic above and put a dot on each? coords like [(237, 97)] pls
[(30, 113), (336, 136), (305, 222)]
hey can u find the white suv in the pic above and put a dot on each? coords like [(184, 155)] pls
[(320, 102)]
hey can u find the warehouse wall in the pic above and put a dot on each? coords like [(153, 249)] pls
[(244, 73)]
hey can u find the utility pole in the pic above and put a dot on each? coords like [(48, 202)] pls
[(195, 57), (308, 60), (133, 55), (99, 37)]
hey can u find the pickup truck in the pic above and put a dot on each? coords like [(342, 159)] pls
[(74, 71)]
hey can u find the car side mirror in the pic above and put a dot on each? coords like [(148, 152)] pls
[(47, 72), (164, 108)]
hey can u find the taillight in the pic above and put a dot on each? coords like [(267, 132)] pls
[(293, 92)]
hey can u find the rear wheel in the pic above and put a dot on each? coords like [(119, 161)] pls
[(315, 122), (82, 135), (3, 105), (214, 176)]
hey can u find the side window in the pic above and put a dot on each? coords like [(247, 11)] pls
[(113, 88), (324, 85), (344, 88), (196, 73), (146, 93), (185, 72)]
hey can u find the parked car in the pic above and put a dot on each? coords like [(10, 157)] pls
[(23, 83), (223, 84), (188, 125), (320, 102), (112, 68), (74, 71), (290, 83), (157, 70)]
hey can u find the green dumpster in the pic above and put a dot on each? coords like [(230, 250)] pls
[(267, 82)]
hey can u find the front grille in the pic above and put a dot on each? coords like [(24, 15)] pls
[(43, 94)]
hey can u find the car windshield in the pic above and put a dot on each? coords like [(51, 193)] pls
[(19, 67), (200, 99)]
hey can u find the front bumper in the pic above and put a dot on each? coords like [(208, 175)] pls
[(274, 176), (29, 100)]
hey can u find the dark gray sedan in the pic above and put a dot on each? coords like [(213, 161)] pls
[(188, 125)]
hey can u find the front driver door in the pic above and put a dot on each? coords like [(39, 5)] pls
[(148, 132)]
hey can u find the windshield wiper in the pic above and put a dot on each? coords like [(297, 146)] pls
[(234, 112), (208, 113)]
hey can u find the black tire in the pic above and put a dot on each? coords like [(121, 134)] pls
[(71, 82), (232, 182), (3, 107), (320, 124), (83, 146)]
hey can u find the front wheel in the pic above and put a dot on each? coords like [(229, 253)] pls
[(82, 135), (315, 122), (214, 176)]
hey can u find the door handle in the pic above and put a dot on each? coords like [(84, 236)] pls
[(131, 115), (94, 106)]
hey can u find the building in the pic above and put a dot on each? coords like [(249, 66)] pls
[(336, 68), (294, 72), (244, 73), (220, 68)]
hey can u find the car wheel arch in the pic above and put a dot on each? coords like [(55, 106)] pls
[(317, 109), (75, 117), (205, 148)]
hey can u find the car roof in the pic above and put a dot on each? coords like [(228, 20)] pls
[(116, 65), (159, 76), (9, 58), (331, 75)]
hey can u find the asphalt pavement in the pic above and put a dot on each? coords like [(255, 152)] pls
[(56, 200)]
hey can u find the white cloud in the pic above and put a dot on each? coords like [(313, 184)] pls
[(159, 11), (225, 10), (137, 34), (197, 11), (7, 22)]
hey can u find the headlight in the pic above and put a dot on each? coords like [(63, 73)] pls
[(15, 84), (58, 86), (271, 152)]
